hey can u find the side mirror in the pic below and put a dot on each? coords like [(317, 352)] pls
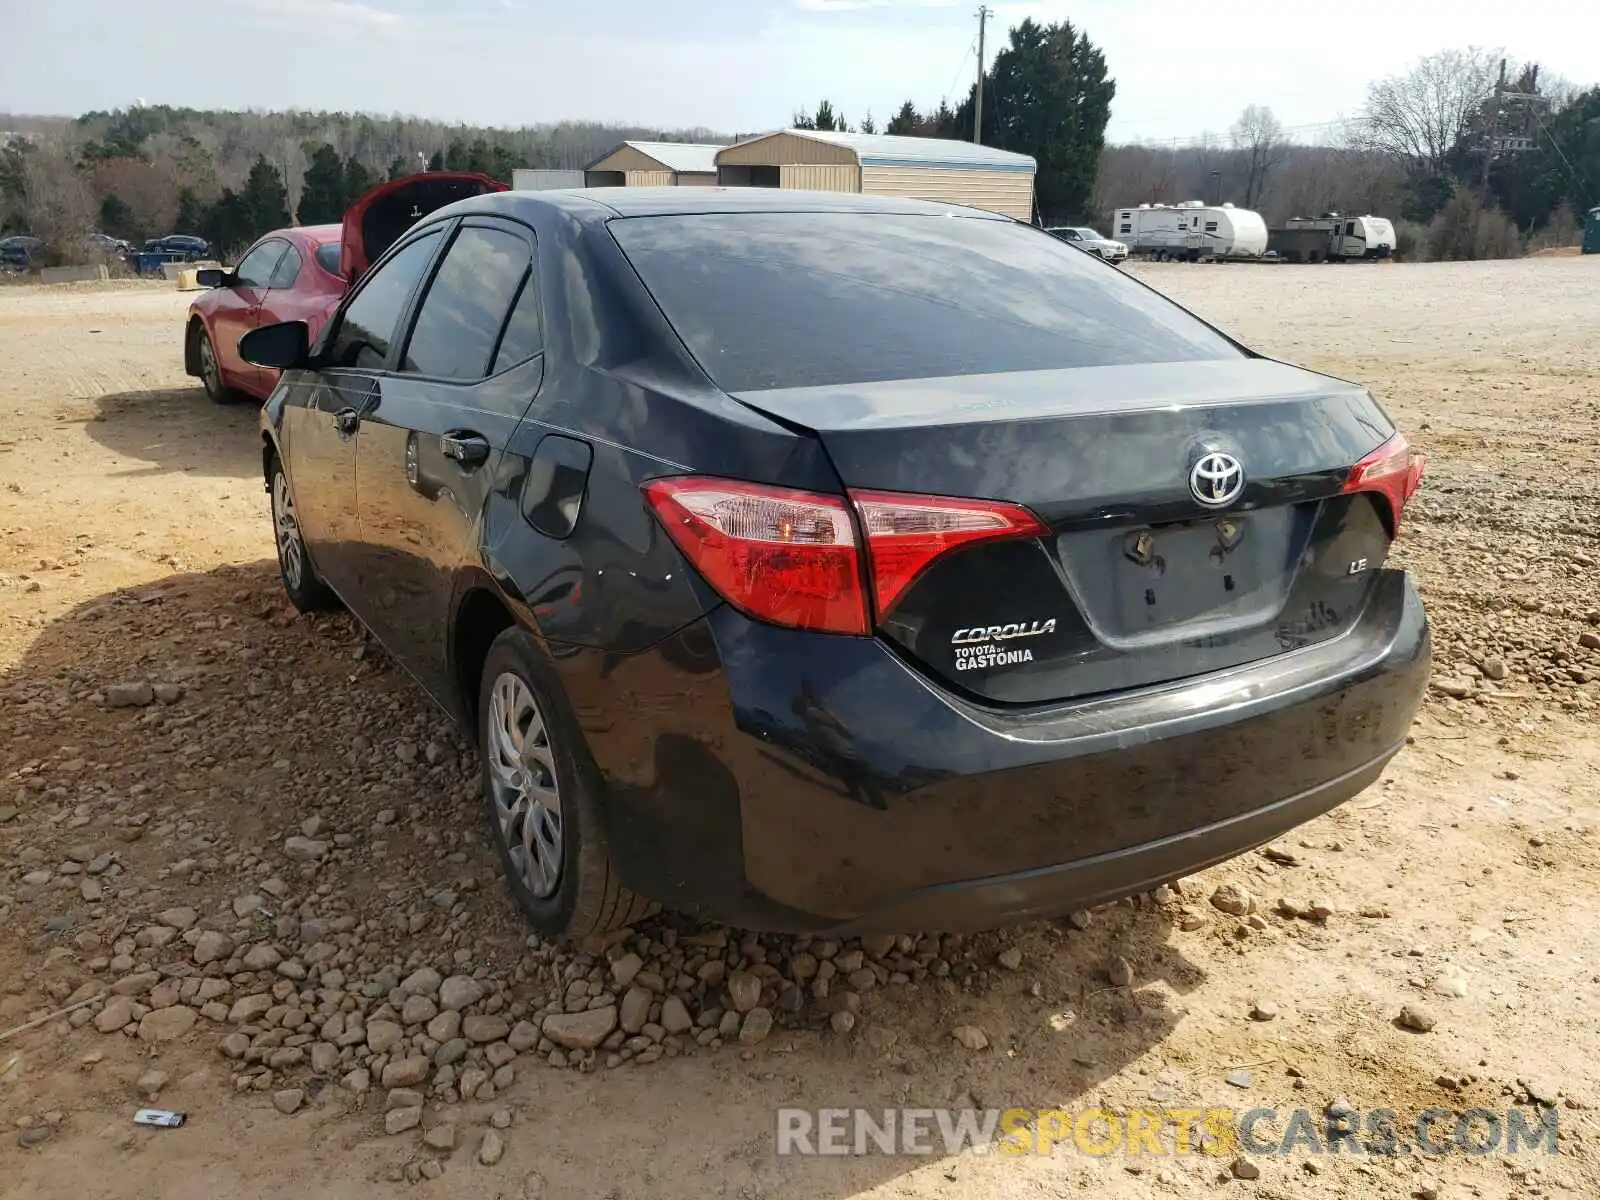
[(211, 277), (284, 346)]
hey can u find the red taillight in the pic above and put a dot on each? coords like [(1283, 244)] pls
[(1393, 470), (906, 533), (794, 558), (779, 555)]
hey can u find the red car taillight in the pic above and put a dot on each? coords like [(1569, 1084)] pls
[(906, 533), (779, 555), (1394, 471), (795, 558)]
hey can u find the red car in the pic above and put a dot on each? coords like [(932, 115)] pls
[(301, 274)]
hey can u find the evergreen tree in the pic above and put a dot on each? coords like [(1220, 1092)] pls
[(907, 122), (116, 218), (265, 198), (229, 224), (323, 195), (1047, 95), (358, 180), (191, 213)]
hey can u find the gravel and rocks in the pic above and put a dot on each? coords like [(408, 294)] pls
[(318, 917)]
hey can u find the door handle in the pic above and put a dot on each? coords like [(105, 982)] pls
[(346, 420), (467, 448)]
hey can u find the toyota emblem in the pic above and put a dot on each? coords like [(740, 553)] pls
[(1216, 479)]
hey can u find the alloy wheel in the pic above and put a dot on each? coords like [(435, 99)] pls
[(291, 554), (209, 374), (522, 777)]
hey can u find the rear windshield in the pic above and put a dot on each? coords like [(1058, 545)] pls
[(777, 300), (328, 257)]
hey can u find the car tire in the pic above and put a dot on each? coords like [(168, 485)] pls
[(211, 370), (301, 583), (536, 766)]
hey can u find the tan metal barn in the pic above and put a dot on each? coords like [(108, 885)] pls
[(655, 164), (881, 165)]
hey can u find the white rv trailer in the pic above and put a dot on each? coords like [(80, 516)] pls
[(1191, 231), (1333, 238)]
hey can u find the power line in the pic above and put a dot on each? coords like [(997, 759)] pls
[(950, 91), (1572, 173), (1209, 140)]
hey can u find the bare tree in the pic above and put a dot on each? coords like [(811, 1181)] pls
[(1258, 137), (1422, 116), (58, 201), (149, 190)]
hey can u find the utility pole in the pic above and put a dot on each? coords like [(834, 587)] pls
[(977, 106), (1494, 133)]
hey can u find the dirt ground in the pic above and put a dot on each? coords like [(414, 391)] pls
[(288, 824)]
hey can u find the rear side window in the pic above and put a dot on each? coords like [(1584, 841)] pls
[(523, 337), (459, 322), (328, 258), (778, 300)]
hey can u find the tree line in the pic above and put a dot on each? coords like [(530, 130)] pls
[(231, 176), (1426, 148)]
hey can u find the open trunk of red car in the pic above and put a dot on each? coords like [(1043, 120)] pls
[(374, 222)]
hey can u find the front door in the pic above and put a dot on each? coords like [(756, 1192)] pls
[(428, 449), (323, 418), (238, 310), (278, 304)]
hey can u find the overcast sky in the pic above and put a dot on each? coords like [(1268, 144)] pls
[(1182, 68)]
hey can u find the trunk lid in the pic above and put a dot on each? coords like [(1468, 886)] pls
[(1137, 581), (377, 219)]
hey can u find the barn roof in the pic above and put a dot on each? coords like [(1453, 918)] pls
[(685, 158), (887, 150)]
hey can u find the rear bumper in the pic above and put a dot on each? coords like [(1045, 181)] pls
[(1050, 891), (777, 779)]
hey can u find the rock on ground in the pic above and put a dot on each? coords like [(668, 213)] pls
[(491, 1149), (580, 1031)]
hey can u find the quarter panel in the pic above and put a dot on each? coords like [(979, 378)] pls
[(616, 582)]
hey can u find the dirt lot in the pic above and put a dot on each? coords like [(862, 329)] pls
[(268, 986)]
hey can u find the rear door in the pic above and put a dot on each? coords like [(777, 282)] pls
[(323, 419), (237, 311), (430, 444)]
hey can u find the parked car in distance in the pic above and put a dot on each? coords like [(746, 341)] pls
[(106, 246), (299, 274), (812, 561), (1085, 238), (174, 247), (16, 252), (291, 274)]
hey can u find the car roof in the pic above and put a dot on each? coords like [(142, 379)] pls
[(603, 203), (319, 235), (304, 235)]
